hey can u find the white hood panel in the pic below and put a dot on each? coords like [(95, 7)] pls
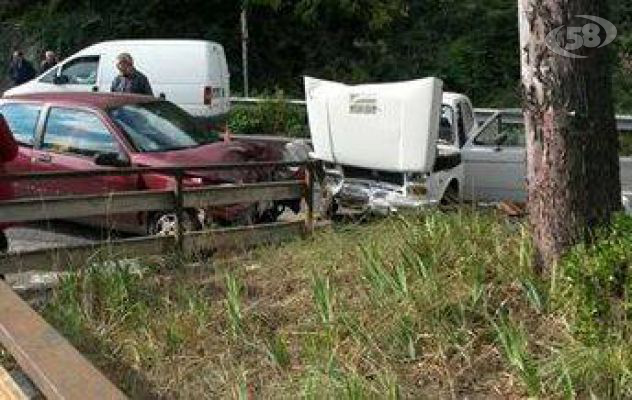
[(390, 126)]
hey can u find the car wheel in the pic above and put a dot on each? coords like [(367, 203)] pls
[(4, 243), (270, 215), (164, 224), (451, 196)]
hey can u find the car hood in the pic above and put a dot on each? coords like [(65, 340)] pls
[(229, 152), (390, 126)]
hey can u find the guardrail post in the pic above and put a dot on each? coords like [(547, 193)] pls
[(309, 198), (179, 199)]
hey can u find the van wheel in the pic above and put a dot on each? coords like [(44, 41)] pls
[(451, 195), (164, 224)]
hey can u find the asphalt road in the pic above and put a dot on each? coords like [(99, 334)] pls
[(49, 235)]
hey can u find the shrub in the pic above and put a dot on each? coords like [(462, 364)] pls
[(272, 117)]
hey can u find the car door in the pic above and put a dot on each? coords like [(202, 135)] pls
[(23, 120), (71, 139), (495, 163), (79, 74)]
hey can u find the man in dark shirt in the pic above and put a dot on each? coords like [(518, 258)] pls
[(130, 80), (20, 70), (50, 60)]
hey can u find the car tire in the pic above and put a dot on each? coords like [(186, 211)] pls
[(451, 196), (164, 223), (4, 243), (270, 215)]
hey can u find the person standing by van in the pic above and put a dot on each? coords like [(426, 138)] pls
[(20, 70), (50, 60), (8, 152), (130, 80)]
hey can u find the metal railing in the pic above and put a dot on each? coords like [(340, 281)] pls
[(57, 369), (178, 199), (624, 122)]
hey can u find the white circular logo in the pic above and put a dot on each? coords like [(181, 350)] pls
[(564, 41)]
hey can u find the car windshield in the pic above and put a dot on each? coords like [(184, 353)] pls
[(159, 126)]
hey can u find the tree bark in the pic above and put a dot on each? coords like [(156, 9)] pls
[(572, 142)]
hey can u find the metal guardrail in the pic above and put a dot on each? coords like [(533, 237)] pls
[(177, 200), (510, 115), (57, 369)]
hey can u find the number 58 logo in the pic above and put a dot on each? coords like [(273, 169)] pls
[(598, 33)]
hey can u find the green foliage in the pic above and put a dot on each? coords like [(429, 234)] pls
[(323, 298), (472, 45), (514, 341), (233, 304), (272, 117)]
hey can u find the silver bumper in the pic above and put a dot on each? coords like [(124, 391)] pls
[(376, 197)]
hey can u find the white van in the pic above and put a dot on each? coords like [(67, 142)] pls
[(190, 73)]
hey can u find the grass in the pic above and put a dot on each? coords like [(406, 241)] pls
[(419, 306)]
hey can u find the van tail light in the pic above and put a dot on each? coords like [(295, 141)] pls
[(208, 95)]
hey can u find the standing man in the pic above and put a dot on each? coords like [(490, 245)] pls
[(130, 80), (50, 60), (8, 152), (20, 70)]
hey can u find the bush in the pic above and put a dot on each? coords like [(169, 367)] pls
[(272, 117)]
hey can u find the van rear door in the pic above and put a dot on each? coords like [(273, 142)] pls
[(216, 93)]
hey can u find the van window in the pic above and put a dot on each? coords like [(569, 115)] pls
[(468, 118), (81, 71), (22, 119), (489, 135), (446, 130), (78, 132)]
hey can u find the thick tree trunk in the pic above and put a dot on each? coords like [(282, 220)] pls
[(572, 143)]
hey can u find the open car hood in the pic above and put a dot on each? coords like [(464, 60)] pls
[(390, 126)]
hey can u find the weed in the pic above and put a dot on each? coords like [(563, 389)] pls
[(323, 298), (233, 304), (513, 341), (278, 352)]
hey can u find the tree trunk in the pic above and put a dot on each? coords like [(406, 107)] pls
[(572, 142)]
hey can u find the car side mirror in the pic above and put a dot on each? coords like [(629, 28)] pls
[(61, 80), (111, 160)]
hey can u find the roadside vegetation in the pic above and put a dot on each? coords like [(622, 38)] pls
[(272, 117), (471, 45), (443, 305)]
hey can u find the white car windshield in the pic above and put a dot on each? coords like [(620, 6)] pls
[(159, 126)]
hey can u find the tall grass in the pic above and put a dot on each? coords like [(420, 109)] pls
[(436, 305)]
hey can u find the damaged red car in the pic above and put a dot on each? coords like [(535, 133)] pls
[(89, 131)]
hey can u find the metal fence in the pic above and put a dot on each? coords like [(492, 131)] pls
[(178, 199)]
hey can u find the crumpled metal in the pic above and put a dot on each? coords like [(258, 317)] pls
[(374, 197)]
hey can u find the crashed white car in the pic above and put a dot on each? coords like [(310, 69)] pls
[(388, 146), (406, 145)]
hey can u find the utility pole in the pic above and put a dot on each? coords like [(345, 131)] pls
[(244, 46)]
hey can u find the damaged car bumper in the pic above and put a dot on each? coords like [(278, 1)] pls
[(374, 197)]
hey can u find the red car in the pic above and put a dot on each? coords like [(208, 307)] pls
[(89, 131)]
